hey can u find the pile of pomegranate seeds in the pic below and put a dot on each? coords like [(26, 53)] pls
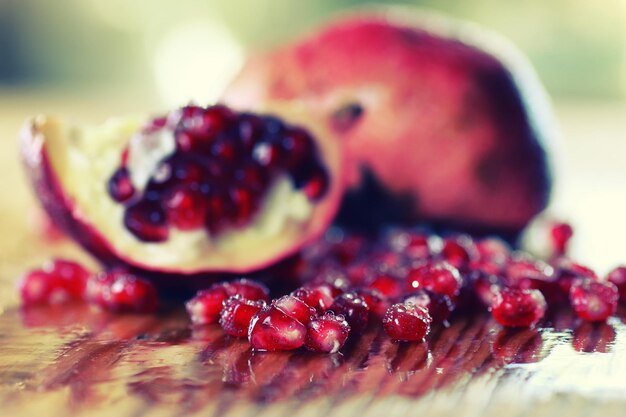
[(222, 167), (60, 281), (405, 281)]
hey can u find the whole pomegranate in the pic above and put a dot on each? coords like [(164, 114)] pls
[(441, 121)]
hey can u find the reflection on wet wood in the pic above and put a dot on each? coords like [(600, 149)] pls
[(79, 359)]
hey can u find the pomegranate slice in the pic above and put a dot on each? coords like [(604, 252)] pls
[(200, 191)]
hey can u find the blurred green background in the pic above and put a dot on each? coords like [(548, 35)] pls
[(174, 47)]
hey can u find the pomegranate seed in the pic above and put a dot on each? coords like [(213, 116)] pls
[(375, 301), (441, 278), (206, 306), (386, 285), (593, 300), (56, 282), (418, 247), (318, 296), (147, 222), (561, 233), (493, 248), (521, 270), (295, 308), (267, 154), (618, 278), (237, 314), (486, 287), (186, 209), (354, 308), (407, 322), (567, 272), (458, 251), (317, 183), (250, 290), (121, 291), (327, 334), (438, 306), (271, 330), (120, 187), (298, 145), (514, 307)]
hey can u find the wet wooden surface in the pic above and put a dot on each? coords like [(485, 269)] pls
[(78, 360)]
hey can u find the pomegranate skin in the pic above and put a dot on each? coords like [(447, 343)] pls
[(450, 120)]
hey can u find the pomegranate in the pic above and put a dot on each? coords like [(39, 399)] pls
[(201, 191), (401, 89)]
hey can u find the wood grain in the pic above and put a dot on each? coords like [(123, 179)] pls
[(77, 360)]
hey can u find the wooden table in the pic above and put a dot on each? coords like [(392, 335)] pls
[(78, 360)]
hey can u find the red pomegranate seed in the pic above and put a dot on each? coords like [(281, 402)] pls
[(207, 304), (593, 300), (560, 233), (521, 270), (319, 296), (56, 282), (386, 285), (440, 277), (244, 204), (327, 333), (566, 272), (120, 291), (298, 145), (458, 251), (120, 187), (147, 221), (186, 209), (486, 287), (271, 330), (317, 183), (248, 289), (438, 306), (267, 154), (237, 314), (295, 308), (376, 302), (514, 307), (418, 247), (618, 278), (407, 322), (493, 248), (354, 308), (197, 128)]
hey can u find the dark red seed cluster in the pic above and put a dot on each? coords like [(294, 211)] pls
[(61, 281), (404, 282), (223, 165)]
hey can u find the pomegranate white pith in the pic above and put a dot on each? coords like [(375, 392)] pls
[(81, 159)]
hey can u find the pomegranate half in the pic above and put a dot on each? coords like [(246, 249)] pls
[(444, 119), (198, 191)]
